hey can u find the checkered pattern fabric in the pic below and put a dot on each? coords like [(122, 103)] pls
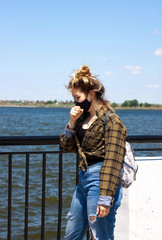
[(96, 144)]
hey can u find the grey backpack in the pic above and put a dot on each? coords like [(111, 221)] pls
[(129, 166)]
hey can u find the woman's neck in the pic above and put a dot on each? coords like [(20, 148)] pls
[(95, 105)]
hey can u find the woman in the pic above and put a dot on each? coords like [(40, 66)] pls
[(98, 193)]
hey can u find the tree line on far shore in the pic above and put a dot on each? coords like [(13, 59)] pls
[(134, 104), (54, 103)]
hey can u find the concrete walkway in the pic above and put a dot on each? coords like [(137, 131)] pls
[(122, 219), (140, 215)]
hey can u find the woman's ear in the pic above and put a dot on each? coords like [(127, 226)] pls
[(91, 94)]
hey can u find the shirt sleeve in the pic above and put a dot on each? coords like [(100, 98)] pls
[(105, 201), (68, 133), (67, 141), (115, 136)]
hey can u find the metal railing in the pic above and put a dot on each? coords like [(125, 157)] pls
[(48, 140)]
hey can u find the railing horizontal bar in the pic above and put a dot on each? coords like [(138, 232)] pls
[(145, 139), (57, 152), (53, 140), (147, 149), (29, 140)]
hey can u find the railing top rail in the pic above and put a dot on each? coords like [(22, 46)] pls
[(29, 140), (53, 140), (145, 139)]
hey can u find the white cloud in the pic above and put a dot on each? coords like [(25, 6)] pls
[(110, 73), (156, 76), (133, 69), (155, 32), (153, 86), (158, 52)]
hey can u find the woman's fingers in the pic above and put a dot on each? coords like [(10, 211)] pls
[(102, 211), (98, 210), (76, 112)]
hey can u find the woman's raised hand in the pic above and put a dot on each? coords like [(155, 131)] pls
[(75, 113)]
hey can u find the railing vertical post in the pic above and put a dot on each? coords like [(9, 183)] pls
[(60, 196), (9, 194), (26, 197), (43, 196)]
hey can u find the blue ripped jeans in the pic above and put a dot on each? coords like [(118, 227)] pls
[(83, 208)]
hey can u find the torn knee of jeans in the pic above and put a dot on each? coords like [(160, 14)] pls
[(92, 218), (68, 215)]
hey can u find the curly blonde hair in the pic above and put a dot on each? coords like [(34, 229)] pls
[(84, 80)]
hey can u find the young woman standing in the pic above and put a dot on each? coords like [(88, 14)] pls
[(98, 193)]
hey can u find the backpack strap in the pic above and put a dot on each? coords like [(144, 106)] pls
[(104, 122)]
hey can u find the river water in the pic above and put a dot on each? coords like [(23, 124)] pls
[(43, 122)]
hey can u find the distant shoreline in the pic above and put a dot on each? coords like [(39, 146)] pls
[(66, 106)]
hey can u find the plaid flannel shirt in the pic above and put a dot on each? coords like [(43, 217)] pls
[(96, 144)]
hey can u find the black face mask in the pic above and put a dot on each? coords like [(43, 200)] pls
[(84, 105)]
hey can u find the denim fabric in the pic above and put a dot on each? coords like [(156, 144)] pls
[(83, 208)]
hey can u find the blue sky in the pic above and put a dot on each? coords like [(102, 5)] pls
[(43, 42)]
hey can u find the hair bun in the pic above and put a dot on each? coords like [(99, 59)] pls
[(84, 71)]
